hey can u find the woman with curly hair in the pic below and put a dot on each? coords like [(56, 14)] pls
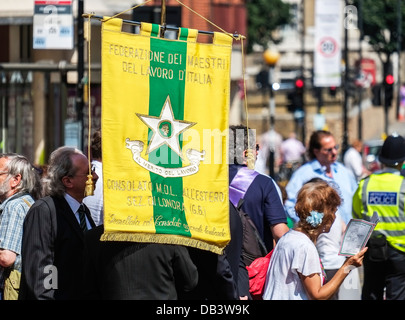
[(295, 271)]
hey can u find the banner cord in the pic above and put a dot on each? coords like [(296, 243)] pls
[(89, 190), (250, 158), (132, 8)]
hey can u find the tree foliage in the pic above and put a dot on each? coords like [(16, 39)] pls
[(264, 17), (380, 21)]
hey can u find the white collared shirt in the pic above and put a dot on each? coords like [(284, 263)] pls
[(74, 205)]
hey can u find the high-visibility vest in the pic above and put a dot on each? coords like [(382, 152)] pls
[(385, 193)]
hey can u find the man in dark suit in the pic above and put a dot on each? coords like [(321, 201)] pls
[(53, 232), (121, 270)]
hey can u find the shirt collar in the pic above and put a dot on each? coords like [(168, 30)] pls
[(73, 203), (3, 204), (316, 166)]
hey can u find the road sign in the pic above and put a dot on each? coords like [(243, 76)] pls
[(327, 46), (53, 24), (327, 50)]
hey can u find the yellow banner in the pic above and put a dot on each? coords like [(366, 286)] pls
[(165, 106)]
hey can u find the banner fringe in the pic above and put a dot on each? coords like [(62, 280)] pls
[(161, 238)]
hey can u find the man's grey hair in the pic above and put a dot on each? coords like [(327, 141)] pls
[(60, 165), (19, 165)]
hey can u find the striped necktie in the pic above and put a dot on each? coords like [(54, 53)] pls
[(82, 218)]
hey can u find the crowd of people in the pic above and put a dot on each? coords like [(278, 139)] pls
[(50, 231)]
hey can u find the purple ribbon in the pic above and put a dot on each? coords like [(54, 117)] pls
[(240, 184)]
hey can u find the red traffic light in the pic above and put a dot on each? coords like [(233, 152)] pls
[(299, 83), (332, 91), (389, 79)]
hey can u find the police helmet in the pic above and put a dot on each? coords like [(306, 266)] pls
[(393, 150)]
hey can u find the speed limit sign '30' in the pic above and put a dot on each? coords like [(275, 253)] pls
[(327, 46)]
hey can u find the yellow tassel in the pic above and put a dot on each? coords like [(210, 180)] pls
[(89, 191), (250, 161)]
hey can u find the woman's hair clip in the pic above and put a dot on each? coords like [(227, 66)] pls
[(315, 218)]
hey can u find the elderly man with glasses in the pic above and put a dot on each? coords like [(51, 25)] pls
[(19, 188), (323, 155)]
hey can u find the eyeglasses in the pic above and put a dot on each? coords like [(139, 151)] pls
[(336, 147), (93, 169)]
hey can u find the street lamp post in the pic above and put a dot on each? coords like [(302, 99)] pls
[(345, 142), (399, 49), (271, 57), (361, 38)]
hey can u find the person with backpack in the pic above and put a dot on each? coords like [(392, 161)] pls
[(257, 201), (295, 270), (261, 200)]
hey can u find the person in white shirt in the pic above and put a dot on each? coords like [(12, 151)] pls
[(269, 141), (295, 271), (292, 149), (353, 161)]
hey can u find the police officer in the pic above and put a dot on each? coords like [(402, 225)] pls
[(384, 192)]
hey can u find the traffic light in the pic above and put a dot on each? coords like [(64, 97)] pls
[(376, 95), (299, 85), (332, 91), (296, 97), (290, 105), (299, 93), (262, 79), (388, 89)]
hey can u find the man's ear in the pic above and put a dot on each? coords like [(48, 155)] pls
[(245, 156), (15, 181), (249, 159), (67, 181), (316, 152)]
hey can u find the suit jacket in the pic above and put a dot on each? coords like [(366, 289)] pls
[(52, 251), (215, 278), (121, 270)]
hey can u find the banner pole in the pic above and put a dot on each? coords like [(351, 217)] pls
[(100, 18), (163, 19)]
